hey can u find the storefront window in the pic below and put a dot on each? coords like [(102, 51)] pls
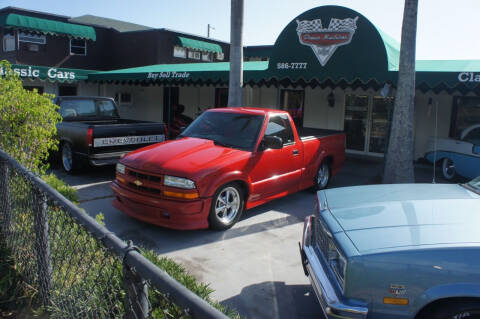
[(292, 102), (381, 114), (356, 118), (8, 42), (466, 112)]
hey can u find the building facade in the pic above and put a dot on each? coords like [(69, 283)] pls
[(330, 68)]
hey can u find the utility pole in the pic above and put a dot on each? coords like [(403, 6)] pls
[(235, 83), (209, 27)]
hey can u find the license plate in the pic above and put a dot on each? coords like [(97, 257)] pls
[(127, 140)]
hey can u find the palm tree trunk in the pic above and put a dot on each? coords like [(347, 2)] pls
[(399, 157), (236, 54)]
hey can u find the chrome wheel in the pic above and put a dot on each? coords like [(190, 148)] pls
[(448, 169), (227, 205), (67, 157), (323, 176)]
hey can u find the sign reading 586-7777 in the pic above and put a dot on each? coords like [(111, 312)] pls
[(291, 65)]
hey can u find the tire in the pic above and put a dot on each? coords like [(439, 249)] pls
[(455, 310), (448, 169), (322, 178), (67, 158), (227, 206)]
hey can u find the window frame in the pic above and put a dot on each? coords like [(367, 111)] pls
[(184, 50), (77, 46), (32, 36), (9, 36), (194, 55), (288, 128)]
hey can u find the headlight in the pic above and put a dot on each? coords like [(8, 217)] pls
[(120, 168), (178, 182), (337, 261)]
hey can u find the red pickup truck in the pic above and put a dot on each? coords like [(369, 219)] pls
[(226, 161)]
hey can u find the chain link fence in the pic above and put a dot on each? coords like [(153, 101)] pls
[(78, 267)]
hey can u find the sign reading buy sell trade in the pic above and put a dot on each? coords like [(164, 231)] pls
[(332, 43), (50, 73)]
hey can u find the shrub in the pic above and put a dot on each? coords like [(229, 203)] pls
[(27, 121)]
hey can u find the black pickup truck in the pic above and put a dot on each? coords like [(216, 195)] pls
[(92, 132)]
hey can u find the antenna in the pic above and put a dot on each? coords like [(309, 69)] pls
[(435, 139)]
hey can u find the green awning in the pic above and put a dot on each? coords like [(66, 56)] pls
[(215, 72), (199, 45), (46, 26), (53, 74)]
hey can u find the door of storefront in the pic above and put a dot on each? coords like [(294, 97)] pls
[(366, 123), (292, 102)]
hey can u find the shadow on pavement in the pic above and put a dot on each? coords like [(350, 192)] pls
[(276, 300)]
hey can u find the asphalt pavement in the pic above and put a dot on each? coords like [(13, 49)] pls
[(254, 267)]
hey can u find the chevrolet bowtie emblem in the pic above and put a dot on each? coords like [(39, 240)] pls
[(138, 183)]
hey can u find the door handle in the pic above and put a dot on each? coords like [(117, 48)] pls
[(295, 152)]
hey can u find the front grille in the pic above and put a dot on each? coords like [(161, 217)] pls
[(150, 178), (145, 189), (322, 238)]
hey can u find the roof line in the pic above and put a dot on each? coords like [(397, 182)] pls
[(179, 32), (34, 11)]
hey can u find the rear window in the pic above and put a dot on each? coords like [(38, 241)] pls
[(81, 108)]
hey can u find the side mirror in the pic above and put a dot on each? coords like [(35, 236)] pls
[(476, 149), (273, 142)]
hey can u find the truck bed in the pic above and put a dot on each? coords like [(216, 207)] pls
[(306, 133)]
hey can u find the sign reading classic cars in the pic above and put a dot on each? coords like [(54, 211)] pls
[(469, 77), (37, 72), (324, 41)]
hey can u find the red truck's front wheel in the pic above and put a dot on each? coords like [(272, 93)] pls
[(227, 206)]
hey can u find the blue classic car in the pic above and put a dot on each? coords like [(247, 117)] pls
[(457, 156), (396, 251)]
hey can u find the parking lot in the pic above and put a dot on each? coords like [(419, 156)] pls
[(255, 266)]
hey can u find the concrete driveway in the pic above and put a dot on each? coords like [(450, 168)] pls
[(255, 266)]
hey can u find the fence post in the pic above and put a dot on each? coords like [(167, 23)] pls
[(42, 244), (5, 205), (137, 290)]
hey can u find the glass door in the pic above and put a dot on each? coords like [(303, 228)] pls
[(356, 120), (379, 124), (292, 102)]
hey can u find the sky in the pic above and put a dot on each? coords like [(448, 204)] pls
[(446, 29)]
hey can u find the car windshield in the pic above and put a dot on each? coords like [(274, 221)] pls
[(87, 108), (474, 184), (235, 130)]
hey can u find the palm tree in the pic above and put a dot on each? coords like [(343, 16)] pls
[(399, 156), (236, 54)]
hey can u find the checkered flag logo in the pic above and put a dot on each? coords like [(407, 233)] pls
[(324, 41)]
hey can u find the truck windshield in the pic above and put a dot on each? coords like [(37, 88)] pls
[(233, 130), (81, 108)]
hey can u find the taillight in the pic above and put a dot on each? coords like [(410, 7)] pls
[(89, 139)]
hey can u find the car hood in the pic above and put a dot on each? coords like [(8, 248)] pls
[(385, 217), (185, 157)]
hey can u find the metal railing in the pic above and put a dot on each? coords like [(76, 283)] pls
[(78, 267)]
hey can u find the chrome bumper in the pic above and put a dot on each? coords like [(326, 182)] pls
[(315, 269), (106, 158)]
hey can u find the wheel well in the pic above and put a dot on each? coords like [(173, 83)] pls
[(329, 160), (423, 313), (244, 187)]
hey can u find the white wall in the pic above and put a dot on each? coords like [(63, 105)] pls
[(425, 118), (195, 97), (147, 101), (317, 112), (88, 89)]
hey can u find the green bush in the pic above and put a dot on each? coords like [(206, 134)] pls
[(27, 121)]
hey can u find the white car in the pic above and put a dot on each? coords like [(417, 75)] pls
[(457, 156)]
